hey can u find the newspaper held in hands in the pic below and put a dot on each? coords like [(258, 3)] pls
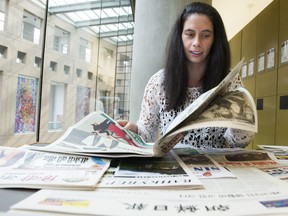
[(98, 134)]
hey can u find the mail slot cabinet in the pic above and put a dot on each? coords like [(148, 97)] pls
[(266, 84), (267, 40), (266, 110), (283, 34), (282, 87), (249, 84), (235, 47), (282, 120)]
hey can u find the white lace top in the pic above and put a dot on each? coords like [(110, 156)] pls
[(153, 116)]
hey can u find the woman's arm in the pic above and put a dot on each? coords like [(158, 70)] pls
[(148, 122), (238, 138)]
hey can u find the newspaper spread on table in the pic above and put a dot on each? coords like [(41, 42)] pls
[(22, 168), (252, 192), (168, 172)]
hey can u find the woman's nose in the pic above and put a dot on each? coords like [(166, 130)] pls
[(196, 42)]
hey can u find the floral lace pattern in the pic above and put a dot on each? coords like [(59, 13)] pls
[(153, 117)]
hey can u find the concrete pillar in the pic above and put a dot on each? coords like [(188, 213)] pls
[(153, 22)]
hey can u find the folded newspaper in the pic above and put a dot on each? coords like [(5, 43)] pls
[(99, 135), (22, 168), (168, 172)]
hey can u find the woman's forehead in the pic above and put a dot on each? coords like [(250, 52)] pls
[(198, 22)]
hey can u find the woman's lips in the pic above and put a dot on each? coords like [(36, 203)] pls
[(196, 53)]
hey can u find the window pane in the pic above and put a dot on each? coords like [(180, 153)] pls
[(85, 50), (3, 52), (2, 14), (56, 106), (61, 39), (21, 57), (2, 20), (81, 68), (31, 27), (82, 102)]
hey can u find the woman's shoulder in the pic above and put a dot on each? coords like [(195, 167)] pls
[(157, 78)]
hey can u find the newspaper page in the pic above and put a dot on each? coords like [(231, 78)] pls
[(235, 109), (99, 135), (200, 164), (261, 159), (165, 172), (280, 172), (245, 158), (280, 152), (22, 168), (250, 180), (154, 202)]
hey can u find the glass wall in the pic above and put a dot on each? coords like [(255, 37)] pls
[(59, 61)]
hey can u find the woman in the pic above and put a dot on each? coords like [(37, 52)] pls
[(198, 58)]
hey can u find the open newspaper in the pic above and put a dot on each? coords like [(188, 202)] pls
[(98, 134)]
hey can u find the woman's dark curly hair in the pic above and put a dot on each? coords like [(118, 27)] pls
[(176, 71)]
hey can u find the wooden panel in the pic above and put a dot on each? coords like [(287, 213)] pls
[(266, 84), (268, 27), (282, 121), (266, 121), (249, 44), (282, 80), (249, 84), (235, 47), (283, 30)]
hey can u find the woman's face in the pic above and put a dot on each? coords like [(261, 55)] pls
[(197, 37)]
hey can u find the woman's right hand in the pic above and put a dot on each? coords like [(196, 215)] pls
[(128, 125)]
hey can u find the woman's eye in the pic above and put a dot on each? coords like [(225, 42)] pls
[(190, 34), (206, 35)]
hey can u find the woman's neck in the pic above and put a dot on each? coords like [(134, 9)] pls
[(195, 74)]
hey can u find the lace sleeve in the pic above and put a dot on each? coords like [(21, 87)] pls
[(149, 119), (238, 138), (235, 83)]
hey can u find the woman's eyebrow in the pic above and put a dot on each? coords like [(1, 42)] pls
[(205, 30)]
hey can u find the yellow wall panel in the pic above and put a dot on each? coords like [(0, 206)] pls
[(266, 84), (282, 80), (249, 84), (283, 30), (268, 28), (249, 40), (266, 122), (235, 47), (282, 121)]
